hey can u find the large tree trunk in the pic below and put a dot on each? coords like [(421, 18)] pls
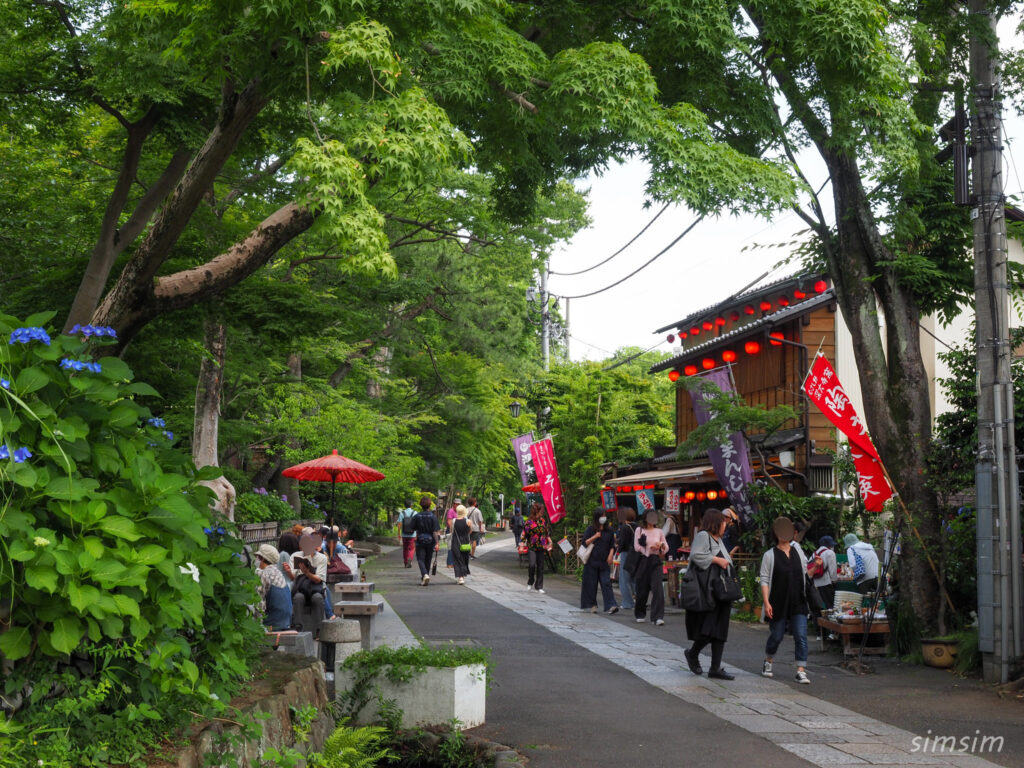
[(893, 378), (207, 415)]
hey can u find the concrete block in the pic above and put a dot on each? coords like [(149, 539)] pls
[(298, 643), (340, 631), (435, 697)]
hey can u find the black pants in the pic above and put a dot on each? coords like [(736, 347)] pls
[(717, 648), (648, 581), (536, 577), (424, 555), (593, 575)]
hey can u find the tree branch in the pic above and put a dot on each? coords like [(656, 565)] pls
[(248, 181), (517, 98), (431, 227)]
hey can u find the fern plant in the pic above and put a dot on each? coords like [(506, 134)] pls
[(354, 748)]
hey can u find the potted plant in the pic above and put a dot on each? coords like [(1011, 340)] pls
[(751, 585), (429, 686)]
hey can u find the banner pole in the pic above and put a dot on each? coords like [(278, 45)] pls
[(811, 364)]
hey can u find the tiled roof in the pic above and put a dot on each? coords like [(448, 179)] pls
[(768, 321), (736, 298)]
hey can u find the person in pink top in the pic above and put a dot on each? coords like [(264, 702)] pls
[(650, 543)]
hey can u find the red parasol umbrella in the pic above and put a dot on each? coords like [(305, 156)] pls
[(333, 469), (532, 488)]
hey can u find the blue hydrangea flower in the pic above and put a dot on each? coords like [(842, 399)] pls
[(220, 530), (5, 383), (92, 330), (20, 454), (25, 335), (168, 434), (155, 422), (79, 365), (5, 452)]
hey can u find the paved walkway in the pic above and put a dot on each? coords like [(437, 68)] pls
[(793, 719)]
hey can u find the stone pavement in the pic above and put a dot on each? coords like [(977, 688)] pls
[(794, 719)]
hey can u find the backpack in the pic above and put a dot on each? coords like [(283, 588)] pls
[(408, 523), (816, 568)]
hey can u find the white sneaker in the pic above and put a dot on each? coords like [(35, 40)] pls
[(529, 587), (659, 623), (641, 620), (801, 677), (461, 580), (766, 669), (540, 591), (426, 580)]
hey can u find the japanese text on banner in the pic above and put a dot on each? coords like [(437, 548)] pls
[(543, 453)]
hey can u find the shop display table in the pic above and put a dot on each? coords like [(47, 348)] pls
[(851, 633)]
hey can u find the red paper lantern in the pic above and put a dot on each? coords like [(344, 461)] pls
[(708, 363), (673, 375), (701, 495), (766, 306), (671, 338), (689, 495), (734, 315), (694, 331), (749, 309), (682, 335), (820, 287), (752, 347), (707, 325), (690, 370), (722, 495), (799, 295), (712, 495), (719, 321), (729, 356), (783, 301), (772, 338)]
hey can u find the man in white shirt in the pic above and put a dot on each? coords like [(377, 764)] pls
[(476, 524)]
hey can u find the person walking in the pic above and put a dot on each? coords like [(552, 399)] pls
[(784, 594), (824, 570), (407, 526), (427, 537), (539, 543), (449, 520), (864, 561), (710, 627), (598, 568), (672, 537), (476, 524), (627, 555), (517, 524), (731, 537), (460, 544), (649, 541)]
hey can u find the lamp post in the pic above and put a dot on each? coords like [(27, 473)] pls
[(514, 408)]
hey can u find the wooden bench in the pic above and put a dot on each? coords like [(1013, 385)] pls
[(854, 630), (363, 611), (355, 591)]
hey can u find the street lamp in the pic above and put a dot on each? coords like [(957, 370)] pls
[(514, 408)]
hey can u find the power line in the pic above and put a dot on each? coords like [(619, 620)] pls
[(631, 358), (592, 346), (660, 253), (635, 237)]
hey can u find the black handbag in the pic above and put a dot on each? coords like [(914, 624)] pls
[(632, 562), (694, 594), (725, 584), (814, 600)]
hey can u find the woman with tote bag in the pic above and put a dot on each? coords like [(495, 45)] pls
[(649, 541), (710, 627), (461, 545)]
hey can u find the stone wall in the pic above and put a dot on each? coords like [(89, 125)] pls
[(289, 681)]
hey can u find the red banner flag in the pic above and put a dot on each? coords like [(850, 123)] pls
[(543, 453), (824, 390)]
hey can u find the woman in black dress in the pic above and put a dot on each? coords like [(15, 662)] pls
[(460, 537), (598, 568), (709, 627)]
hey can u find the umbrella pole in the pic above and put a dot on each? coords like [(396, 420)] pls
[(334, 509)]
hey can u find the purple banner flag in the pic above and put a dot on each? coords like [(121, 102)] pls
[(730, 460), (521, 448)]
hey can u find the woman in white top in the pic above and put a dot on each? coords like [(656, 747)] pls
[(650, 542), (709, 627)]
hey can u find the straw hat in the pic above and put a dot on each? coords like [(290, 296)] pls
[(460, 511)]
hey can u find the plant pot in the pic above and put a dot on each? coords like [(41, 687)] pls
[(939, 653), (436, 696)]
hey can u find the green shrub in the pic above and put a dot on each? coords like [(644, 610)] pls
[(239, 479), (262, 507), (128, 606)]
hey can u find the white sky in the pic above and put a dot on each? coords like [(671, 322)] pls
[(706, 266)]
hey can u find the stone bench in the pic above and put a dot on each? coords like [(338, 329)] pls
[(289, 641), (363, 611), (358, 592)]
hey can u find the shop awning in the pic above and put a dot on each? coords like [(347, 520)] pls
[(662, 476)]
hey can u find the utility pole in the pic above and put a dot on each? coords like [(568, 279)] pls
[(545, 317), (998, 519)]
